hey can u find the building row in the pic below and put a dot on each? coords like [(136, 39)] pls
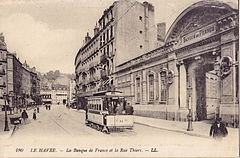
[(55, 93), (19, 84), (193, 68)]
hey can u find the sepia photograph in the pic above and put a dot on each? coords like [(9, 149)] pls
[(119, 78)]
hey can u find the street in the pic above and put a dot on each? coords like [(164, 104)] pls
[(64, 129)]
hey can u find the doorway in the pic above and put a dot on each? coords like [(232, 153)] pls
[(207, 91)]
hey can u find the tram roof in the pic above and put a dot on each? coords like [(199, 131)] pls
[(110, 94)]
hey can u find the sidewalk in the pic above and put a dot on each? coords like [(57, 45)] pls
[(200, 128), (7, 134)]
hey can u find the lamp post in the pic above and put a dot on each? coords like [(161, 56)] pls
[(189, 116), (6, 127)]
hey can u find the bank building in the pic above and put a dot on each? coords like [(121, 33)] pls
[(192, 68)]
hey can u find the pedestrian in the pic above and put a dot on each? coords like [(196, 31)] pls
[(110, 108), (34, 114), (49, 107), (129, 109), (218, 129), (119, 109), (24, 116), (37, 109), (46, 106)]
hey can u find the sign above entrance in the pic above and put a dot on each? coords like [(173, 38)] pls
[(198, 35)]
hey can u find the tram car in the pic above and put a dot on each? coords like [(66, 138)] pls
[(107, 111)]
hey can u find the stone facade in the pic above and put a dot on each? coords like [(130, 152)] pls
[(57, 94), (114, 42), (187, 73), (3, 69), (15, 79)]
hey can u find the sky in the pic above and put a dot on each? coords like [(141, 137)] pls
[(48, 33)]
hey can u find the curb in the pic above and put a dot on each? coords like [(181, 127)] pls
[(13, 131), (8, 135), (172, 130)]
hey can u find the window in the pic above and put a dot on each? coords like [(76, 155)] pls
[(103, 38), (111, 32), (107, 35), (103, 23), (163, 87), (151, 87), (138, 90), (108, 50)]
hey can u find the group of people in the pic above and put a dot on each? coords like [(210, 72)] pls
[(48, 107), (24, 115), (120, 108)]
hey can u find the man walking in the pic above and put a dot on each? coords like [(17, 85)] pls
[(24, 116), (218, 129), (34, 114)]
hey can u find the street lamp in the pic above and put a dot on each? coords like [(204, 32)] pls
[(5, 97), (190, 116)]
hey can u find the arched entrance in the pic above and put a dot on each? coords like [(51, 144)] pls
[(203, 86)]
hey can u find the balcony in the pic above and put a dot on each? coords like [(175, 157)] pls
[(93, 78), (104, 74), (84, 81), (104, 58), (3, 84), (112, 54), (83, 69), (2, 72), (92, 65), (3, 59)]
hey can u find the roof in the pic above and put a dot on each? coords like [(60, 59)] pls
[(197, 10)]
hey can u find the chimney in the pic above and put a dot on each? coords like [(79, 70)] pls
[(161, 31), (96, 30), (87, 38), (2, 37), (148, 5)]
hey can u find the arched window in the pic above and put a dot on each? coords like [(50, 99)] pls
[(163, 86), (138, 89), (151, 87)]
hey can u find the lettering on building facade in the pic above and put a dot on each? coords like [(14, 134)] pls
[(198, 35)]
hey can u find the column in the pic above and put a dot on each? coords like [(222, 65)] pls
[(183, 86), (144, 86), (155, 87), (160, 87), (132, 88)]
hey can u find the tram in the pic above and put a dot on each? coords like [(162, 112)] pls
[(109, 110)]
